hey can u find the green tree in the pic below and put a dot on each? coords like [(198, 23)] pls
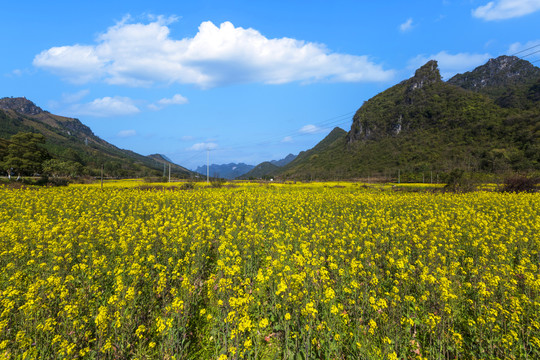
[(55, 168), (3, 149), (24, 154)]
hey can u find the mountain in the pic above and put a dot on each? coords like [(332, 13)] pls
[(262, 171), (306, 165), (267, 169), (314, 163), (287, 159), (175, 168), (226, 171), (506, 79), (424, 124), (497, 75), (69, 139), (161, 157)]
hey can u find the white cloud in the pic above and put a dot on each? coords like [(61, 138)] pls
[(79, 64), (451, 64), (287, 139), (126, 133), (138, 54), (506, 9), (106, 107), (203, 146), (406, 26), (311, 129), (175, 100)]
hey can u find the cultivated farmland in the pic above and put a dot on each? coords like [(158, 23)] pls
[(264, 272)]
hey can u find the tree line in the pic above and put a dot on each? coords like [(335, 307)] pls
[(24, 155)]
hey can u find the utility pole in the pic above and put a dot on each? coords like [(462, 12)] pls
[(207, 165), (169, 172), (399, 176), (101, 176)]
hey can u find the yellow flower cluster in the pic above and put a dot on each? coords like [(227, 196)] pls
[(273, 271)]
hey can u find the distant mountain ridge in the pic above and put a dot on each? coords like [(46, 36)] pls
[(69, 139), (287, 159), (241, 170), (267, 168), (225, 171)]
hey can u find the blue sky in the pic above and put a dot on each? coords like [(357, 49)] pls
[(249, 80)]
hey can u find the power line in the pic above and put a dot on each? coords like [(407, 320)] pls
[(532, 47), (345, 118), (335, 120), (537, 51)]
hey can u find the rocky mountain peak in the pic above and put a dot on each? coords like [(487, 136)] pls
[(511, 66), (499, 72), (21, 105), (425, 75)]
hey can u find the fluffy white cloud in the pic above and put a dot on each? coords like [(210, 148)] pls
[(311, 129), (77, 63), (126, 133), (175, 100), (287, 139), (203, 146), (106, 107), (138, 54), (406, 26), (506, 9), (451, 64)]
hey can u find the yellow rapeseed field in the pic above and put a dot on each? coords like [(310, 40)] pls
[(265, 272)]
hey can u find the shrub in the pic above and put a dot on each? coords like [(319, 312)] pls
[(187, 186), (520, 183), (459, 182)]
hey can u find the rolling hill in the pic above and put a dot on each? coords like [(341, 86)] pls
[(266, 169), (69, 139)]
